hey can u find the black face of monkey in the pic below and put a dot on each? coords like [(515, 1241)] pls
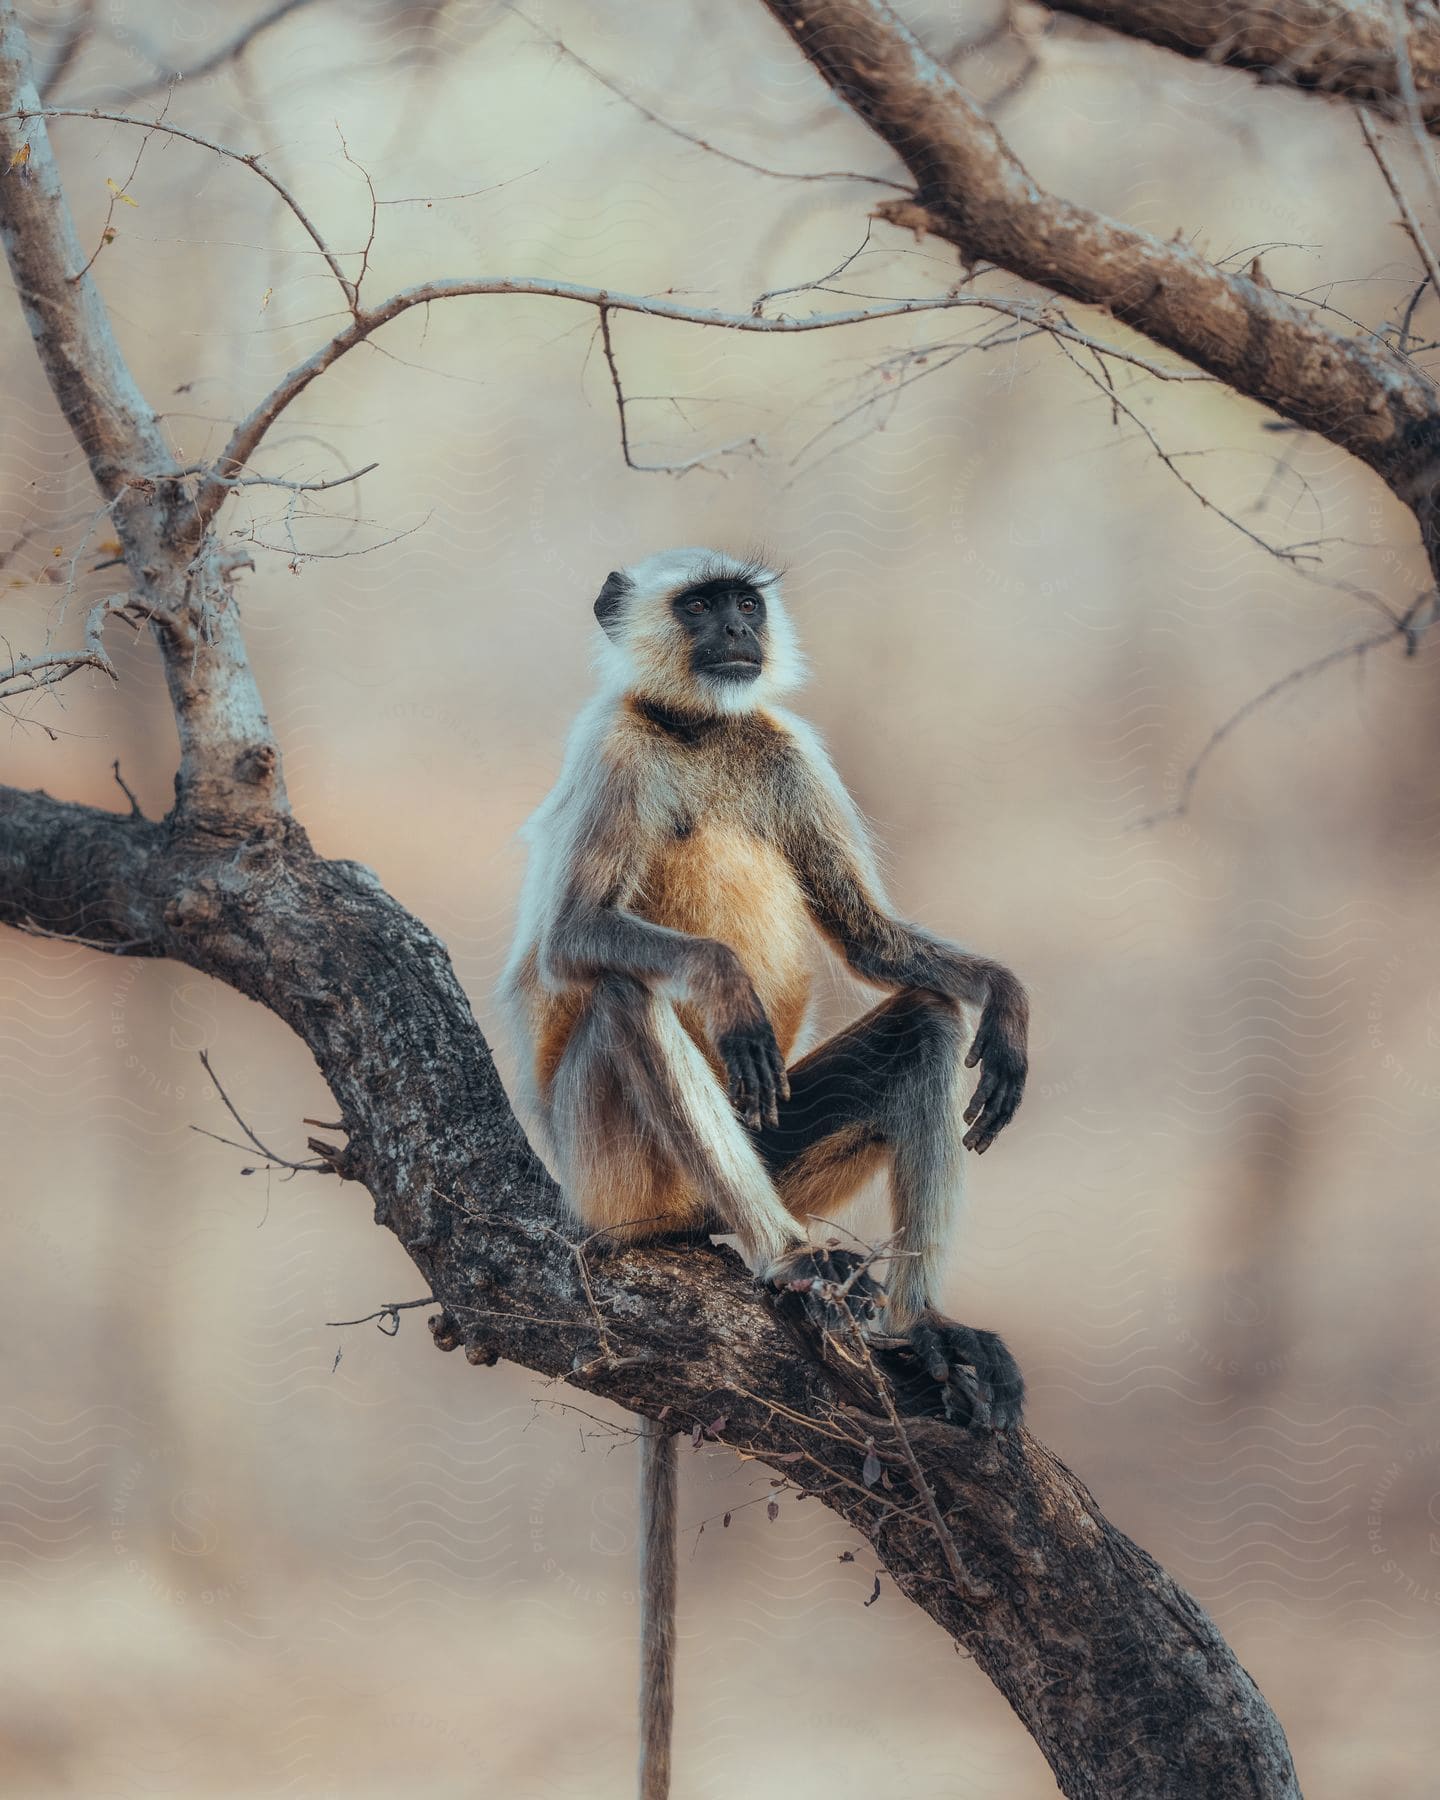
[(725, 623)]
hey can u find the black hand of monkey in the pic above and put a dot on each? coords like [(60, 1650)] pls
[(758, 1082), (832, 1283), (979, 1379), (1002, 1079)]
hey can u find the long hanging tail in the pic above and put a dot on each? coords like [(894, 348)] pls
[(659, 1449)]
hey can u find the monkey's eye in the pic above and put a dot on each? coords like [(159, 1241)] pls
[(747, 606), (696, 607)]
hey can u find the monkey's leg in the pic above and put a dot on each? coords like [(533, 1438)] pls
[(890, 1090), (647, 1137)]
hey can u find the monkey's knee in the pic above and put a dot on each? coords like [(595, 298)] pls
[(920, 1054)]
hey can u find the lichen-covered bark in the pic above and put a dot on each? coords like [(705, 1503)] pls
[(1124, 1682)]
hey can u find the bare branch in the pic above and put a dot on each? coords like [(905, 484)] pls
[(1341, 47), (247, 159), (28, 674), (622, 402), (1124, 1682), (391, 1311), (972, 191), (67, 320), (1409, 97), (690, 137), (254, 1143), (1407, 214), (231, 50), (1406, 629), (250, 432)]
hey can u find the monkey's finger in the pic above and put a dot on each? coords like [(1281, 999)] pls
[(779, 1085), (754, 1088), (980, 1099)]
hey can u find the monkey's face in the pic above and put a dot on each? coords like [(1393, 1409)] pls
[(724, 625)]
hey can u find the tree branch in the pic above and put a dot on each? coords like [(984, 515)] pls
[(229, 777), (1124, 1682), (1320, 46), (232, 49), (27, 674), (245, 440), (247, 159), (1122, 1679), (973, 191)]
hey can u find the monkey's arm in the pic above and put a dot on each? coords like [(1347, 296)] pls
[(825, 842), (592, 932)]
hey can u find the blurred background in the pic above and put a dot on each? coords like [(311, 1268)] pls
[(244, 1552)]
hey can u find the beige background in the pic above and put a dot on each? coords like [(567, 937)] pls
[(232, 1567)]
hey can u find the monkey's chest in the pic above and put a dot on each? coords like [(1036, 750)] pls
[(720, 882)]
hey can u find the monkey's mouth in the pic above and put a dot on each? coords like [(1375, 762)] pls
[(735, 668)]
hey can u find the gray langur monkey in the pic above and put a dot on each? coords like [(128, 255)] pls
[(696, 843)]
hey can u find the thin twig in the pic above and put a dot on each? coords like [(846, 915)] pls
[(1404, 627), (1407, 213), (249, 433), (246, 159), (124, 786), (690, 137), (391, 1310), (283, 1162), (231, 50)]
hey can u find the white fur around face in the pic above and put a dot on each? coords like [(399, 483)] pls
[(650, 656)]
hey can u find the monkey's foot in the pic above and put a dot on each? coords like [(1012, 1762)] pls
[(979, 1380), (831, 1282)]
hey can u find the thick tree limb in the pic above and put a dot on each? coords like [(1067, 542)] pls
[(974, 192), (1124, 1682), (229, 774), (1321, 46)]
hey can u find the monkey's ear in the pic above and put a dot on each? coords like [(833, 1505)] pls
[(607, 601)]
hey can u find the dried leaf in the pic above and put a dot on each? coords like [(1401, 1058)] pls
[(875, 1593), (696, 1437), (21, 157), (772, 1510), (120, 193), (725, 1523), (718, 1424), (846, 1556), (870, 1471), (265, 298)]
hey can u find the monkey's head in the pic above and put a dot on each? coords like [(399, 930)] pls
[(699, 631)]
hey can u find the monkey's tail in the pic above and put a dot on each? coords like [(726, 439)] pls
[(659, 1450)]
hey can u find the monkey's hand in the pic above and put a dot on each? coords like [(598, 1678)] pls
[(980, 1381), (832, 1283), (999, 1048), (744, 1038)]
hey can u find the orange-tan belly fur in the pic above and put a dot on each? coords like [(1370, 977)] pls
[(722, 883)]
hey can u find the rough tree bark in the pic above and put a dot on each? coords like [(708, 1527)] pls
[(972, 191), (1317, 45), (1124, 1682)]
